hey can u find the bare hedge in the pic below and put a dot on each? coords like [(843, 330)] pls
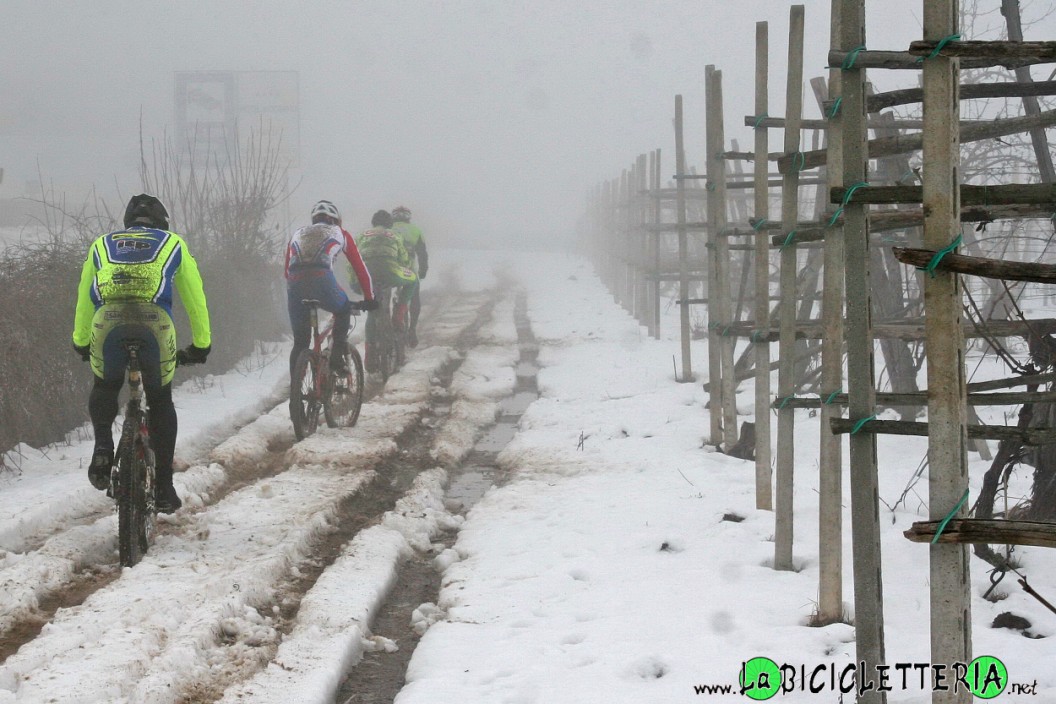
[(223, 208)]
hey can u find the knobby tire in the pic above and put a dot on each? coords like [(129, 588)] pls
[(380, 336), (305, 403), (344, 396), (135, 494)]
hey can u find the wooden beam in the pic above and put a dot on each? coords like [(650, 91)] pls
[(974, 530), (887, 220), (683, 246), (1038, 138), (785, 464), (902, 144), (764, 499), (905, 61), (861, 367), (911, 399), (830, 446), (909, 329), (969, 91), (979, 266), (723, 400), (996, 52), (1009, 194), (826, 124), (1027, 436), (1011, 382)]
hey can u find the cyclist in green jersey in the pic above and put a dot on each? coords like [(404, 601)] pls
[(125, 292), (414, 243), (389, 265)]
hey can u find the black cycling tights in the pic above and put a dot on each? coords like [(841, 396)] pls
[(102, 407)]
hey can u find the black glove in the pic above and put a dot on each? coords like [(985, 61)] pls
[(368, 305), (192, 355), (84, 350), (423, 268)]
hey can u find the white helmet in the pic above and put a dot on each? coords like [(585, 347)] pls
[(325, 207)]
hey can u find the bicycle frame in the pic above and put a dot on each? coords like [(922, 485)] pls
[(320, 338)]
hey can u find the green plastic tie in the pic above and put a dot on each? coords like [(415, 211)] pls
[(759, 121), (835, 109), (848, 62), (801, 159), (860, 424), (940, 46), (788, 240), (832, 396), (930, 268), (852, 189), (835, 217), (709, 186), (757, 336), (762, 221), (949, 517), (784, 402)]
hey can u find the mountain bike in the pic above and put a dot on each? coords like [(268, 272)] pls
[(386, 341), (316, 388), (132, 480)]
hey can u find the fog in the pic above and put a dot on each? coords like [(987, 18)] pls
[(491, 119)]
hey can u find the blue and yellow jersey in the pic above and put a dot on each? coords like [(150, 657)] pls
[(141, 264)]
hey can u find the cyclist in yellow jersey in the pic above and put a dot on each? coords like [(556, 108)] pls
[(126, 292), (414, 243)]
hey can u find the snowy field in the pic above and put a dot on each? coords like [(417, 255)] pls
[(601, 570)]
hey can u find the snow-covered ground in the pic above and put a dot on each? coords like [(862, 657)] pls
[(602, 570)]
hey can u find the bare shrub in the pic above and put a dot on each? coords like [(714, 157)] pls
[(224, 207)]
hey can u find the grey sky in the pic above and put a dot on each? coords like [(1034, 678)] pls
[(489, 118)]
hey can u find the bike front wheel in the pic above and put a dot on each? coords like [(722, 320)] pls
[(305, 401), (344, 393)]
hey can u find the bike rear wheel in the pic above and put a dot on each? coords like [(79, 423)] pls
[(380, 338), (399, 345), (344, 393), (305, 402), (135, 494)]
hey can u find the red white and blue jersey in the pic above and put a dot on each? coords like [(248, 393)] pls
[(313, 249)]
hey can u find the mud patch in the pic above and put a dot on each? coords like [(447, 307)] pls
[(85, 583)]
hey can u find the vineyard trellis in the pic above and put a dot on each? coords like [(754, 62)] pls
[(854, 250)]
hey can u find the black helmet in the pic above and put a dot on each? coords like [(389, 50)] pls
[(146, 210), (381, 219)]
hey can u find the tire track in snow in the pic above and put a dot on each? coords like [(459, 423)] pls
[(189, 570)]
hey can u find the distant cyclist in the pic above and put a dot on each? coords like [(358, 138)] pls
[(310, 257), (414, 243), (389, 265), (126, 292)]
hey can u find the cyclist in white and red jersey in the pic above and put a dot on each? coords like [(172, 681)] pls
[(310, 259)]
